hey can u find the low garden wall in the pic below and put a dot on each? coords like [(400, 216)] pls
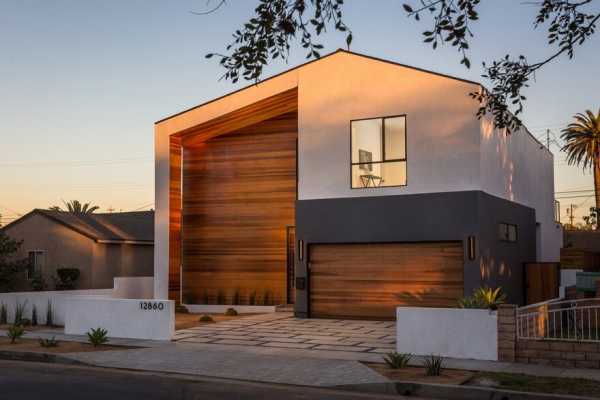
[(40, 301), (449, 332), (122, 318)]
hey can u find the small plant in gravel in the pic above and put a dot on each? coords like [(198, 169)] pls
[(206, 318), (15, 332), (3, 314), (231, 312), (396, 360), (97, 336), (34, 316), (51, 342), (49, 315), (267, 298), (433, 365)]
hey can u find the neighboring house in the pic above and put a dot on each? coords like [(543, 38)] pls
[(348, 185), (101, 246)]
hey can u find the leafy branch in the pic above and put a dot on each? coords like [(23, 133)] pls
[(269, 34), (568, 27)]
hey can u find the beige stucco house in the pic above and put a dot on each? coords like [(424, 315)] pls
[(101, 246)]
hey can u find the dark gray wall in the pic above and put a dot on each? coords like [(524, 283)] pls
[(448, 216)]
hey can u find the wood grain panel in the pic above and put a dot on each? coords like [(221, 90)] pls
[(238, 198), (371, 280), (271, 107), (174, 217), (542, 281)]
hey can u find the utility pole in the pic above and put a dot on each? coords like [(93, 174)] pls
[(548, 139), (570, 214)]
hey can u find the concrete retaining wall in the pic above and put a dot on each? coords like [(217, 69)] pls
[(449, 332), (122, 318)]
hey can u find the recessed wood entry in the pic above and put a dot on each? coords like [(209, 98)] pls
[(368, 281), (239, 192)]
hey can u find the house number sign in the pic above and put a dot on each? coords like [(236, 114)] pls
[(151, 305)]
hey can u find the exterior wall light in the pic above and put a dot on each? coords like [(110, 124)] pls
[(471, 247)]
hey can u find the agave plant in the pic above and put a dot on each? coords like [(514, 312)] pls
[(484, 298)]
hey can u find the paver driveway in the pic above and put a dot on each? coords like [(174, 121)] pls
[(282, 330)]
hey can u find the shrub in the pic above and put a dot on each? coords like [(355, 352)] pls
[(97, 336), (236, 298), (3, 314), (37, 282), (34, 316), (49, 314), (52, 342), (66, 278), (433, 365), (252, 298), (19, 312), (267, 298), (15, 332), (231, 312), (396, 360), (484, 298), (206, 318), (220, 297)]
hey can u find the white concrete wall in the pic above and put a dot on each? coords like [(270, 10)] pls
[(40, 301), (134, 288), (518, 168), (122, 318), (442, 131), (449, 332)]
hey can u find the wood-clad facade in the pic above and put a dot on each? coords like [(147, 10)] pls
[(371, 280)]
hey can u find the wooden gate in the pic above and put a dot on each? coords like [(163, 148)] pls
[(541, 281)]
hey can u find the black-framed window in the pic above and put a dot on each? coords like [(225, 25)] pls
[(507, 232), (378, 147), (36, 263)]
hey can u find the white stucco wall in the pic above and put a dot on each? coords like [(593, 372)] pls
[(442, 132), (448, 332), (518, 168)]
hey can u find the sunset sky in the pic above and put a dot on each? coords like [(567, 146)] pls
[(82, 83)]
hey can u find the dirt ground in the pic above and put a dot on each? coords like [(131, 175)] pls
[(186, 321), (33, 345), (417, 374)]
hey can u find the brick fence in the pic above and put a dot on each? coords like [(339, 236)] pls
[(547, 352)]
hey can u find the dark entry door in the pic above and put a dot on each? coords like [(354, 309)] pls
[(291, 257)]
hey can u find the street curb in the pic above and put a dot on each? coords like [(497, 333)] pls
[(453, 392), (37, 357)]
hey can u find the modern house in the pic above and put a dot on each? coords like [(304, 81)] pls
[(348, 186), (101, 246)]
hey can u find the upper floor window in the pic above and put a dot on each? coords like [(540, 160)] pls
[(36, 263), (378, 152), (507, 232)]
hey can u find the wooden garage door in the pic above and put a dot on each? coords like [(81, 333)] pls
[(239, 193), (369, 280)]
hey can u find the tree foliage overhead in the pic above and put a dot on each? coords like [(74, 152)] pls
[(268, 35), (76, 207)]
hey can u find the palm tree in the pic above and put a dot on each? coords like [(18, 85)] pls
[(76, 207), (582, 146)]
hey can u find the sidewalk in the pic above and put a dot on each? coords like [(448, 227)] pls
[(276, 365)]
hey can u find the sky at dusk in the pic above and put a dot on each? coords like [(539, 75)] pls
[(82, 83)]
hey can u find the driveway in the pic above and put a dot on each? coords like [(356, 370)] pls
[(282, 330)]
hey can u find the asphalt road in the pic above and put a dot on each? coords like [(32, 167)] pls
[(29, 381)]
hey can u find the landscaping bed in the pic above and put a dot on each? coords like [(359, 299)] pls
[(33, 345), (417, 374), (189, 320), (36, 328)]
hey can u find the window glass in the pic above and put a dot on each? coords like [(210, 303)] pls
[(395, 138), (35, 264), (380, 175), (507, 232), (512, 233), (367, 140)]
